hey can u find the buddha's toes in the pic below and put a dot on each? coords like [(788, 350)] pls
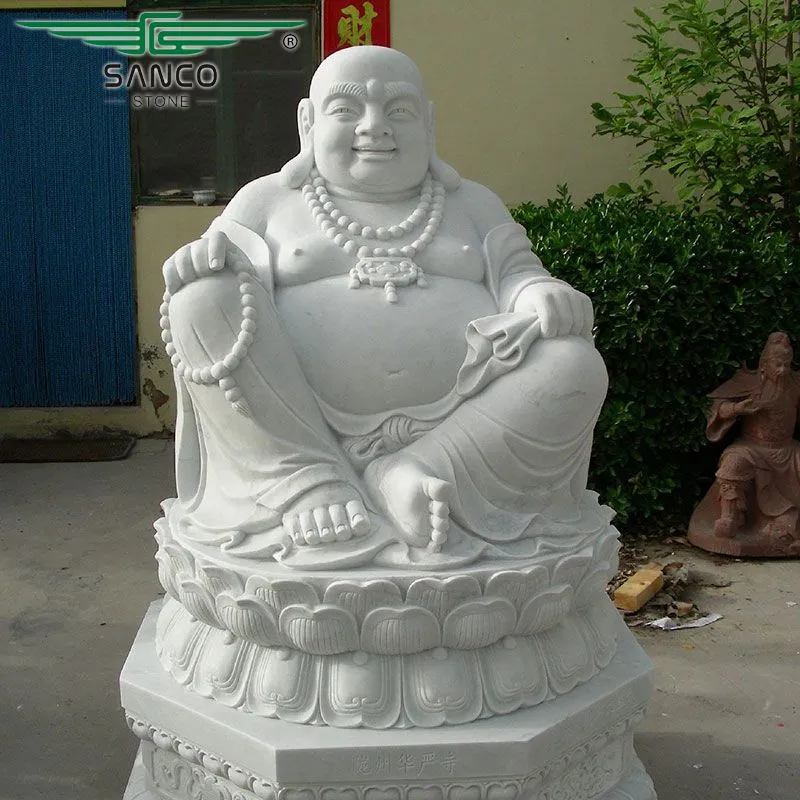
[(415, 501), (332, 513)]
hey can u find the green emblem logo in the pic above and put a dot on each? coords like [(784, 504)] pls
[(163, 34)]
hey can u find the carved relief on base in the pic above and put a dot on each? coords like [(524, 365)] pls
[(605, 767)]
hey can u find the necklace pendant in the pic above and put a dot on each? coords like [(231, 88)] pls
[(388, 273)]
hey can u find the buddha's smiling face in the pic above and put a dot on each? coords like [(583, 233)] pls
[(370, 125)]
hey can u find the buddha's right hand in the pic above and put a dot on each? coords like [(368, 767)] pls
[(202, 258)]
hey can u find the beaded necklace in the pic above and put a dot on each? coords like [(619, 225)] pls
[(381, 265)]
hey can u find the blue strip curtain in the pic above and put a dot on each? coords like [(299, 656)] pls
[(67, 311)]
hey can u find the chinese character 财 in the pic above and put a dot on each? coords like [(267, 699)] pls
[(355, 28)]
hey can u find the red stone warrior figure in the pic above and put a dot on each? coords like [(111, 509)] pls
[(758, 479)]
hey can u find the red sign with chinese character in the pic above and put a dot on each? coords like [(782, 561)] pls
[(349, 23)]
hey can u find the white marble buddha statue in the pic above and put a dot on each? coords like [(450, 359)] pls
[(371, 363)]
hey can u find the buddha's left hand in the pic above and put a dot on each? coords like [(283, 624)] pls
[(562, 310)]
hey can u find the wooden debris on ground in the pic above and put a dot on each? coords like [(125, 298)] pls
[(645, 598)]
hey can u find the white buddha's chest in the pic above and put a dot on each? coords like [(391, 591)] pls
[(302, 253)]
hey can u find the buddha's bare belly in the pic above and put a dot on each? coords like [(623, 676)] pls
[(363, 355)]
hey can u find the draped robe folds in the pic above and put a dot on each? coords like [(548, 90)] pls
[(519, 489)]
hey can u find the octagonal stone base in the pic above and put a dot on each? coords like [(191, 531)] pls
[(576, 747)]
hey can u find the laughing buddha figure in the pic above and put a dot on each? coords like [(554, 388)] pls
[(372, 365)]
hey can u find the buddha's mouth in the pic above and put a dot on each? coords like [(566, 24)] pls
[(375, 151)]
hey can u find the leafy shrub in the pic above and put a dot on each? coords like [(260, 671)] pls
[(715, 100), (682, 297)]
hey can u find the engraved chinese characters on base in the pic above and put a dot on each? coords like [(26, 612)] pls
[(752, 507), (386, 407)]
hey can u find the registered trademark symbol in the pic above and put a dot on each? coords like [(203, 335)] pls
[(290, 41)]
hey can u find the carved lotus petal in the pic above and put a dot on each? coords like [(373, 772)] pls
[(360, 689), (173, 565), (281, 594), (441, 596), (608, 548), (566, 656), (298, 794), (599, 621), (517, 586), (593, 584), (339, 793), (400, 630), (248, 618), (389, 793), (218, 580), (479, 623), (502, 791), (219, 666), (442, 687), (187, 752), (458, 792), (140, 729), (359, 599), (239, 777), (545, 610), (425, 793), (198, 601), (513, 675), (570, 570), (324, 630), (213, 764), (163, 740), (263, 789)]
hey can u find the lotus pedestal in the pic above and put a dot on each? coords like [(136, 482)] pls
[(577, 746)]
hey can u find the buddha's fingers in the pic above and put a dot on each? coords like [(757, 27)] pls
[(550, 318), (178, 269), (218, 244), (585, 315), (577, 310)]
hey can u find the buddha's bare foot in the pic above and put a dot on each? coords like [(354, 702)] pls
[(331, 513), (415, 501)]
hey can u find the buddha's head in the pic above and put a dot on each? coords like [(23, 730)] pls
[(367, 125)]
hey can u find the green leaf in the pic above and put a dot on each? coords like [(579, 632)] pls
[(705, 145)]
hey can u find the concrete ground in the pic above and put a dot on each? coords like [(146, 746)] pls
[(77, 573)]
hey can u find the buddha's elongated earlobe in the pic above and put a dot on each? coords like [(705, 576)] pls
[(295, 172), (443, 172)]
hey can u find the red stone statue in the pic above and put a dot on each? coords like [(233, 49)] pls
[(752, 507)]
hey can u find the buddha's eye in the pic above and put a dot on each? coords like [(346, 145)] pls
[(400, 112), (342, 109)]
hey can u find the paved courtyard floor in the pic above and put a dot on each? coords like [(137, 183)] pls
[(77, 573)]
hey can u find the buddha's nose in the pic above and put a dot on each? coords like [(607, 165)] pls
[(373, 123)]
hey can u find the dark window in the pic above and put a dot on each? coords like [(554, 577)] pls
[(244, 127)]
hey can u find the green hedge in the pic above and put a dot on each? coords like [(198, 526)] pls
[(682, 297)]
